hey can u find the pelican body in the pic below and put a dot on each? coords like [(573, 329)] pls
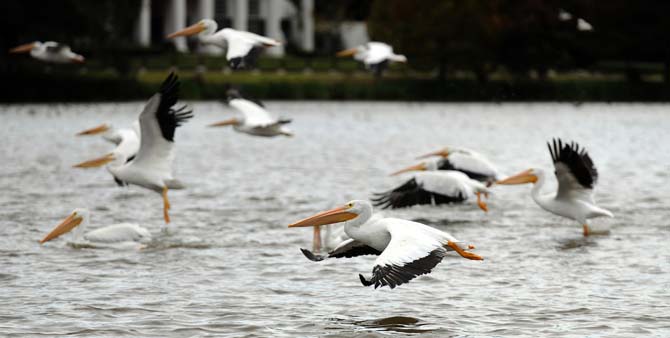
[(576, 175), (242, 47), (376, 56), (406, 249), (152, 167), (469, 162), (432, 186), (115, 236), (255, 120), (127, 142), (50, 51)]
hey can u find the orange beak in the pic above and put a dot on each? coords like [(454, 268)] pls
[(418, 167), (442, 152), (331, 216), (347, 52), (64, 227), (23, 48), (95, 130), (229, 122), (98, 162), (188, 31), (520, 178)]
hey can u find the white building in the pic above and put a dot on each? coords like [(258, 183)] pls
[(277, 19)]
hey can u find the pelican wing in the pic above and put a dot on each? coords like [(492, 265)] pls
[(253, 113), (475, 166), (424, 188), (414, 250), (575, 171), (347, 249), (124, 232), (55, 47), (158, 122)]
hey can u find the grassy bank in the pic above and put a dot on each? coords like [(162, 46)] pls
[(77, 86)]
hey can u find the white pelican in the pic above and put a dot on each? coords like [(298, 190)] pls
[(374, 55), (432, 186), (117, 235), (406, 249), (255, 120), (152, 166), (469, 162), (127, 144), (49, 51), (576, 177), (243, 47)]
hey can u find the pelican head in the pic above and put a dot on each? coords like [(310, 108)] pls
[(77, 217), (203, 27), (25, 48), (528, 176), (358, 210)]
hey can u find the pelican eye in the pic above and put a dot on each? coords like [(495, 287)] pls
[(350, 205)]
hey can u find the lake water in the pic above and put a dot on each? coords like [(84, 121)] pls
[(229, 266)]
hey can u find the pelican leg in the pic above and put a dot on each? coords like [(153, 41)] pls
[(316, 241), (463, 253), (587, 231), (482, 205), (166, 205)]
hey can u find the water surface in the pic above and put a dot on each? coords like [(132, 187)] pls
[(228, 266)]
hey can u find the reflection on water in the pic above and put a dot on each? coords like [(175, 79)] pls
[(229, 266)]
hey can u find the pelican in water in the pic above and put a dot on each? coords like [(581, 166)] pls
[(469, 162), (50, 51), (376, 56), (432, 186), (406, 249), (152, 166), (127, 142), (120, 235), (255, 120), (242, 47), (576, 175)]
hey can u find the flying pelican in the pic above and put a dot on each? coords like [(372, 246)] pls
[(334, 235), (127, 144), (469, 162), (256, 119), (576, 177), (152, 166), (406, 249), (432, 186), (49, 51), (374, 55), (243, 47), (117, 235)]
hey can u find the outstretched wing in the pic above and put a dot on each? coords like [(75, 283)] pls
[(414, 250), (347, 249), (476, 167), (55, 47), (158, 122), (575, 171), (424, 188)]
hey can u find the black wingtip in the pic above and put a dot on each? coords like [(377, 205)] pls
[(311, 256), (364, 281)]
